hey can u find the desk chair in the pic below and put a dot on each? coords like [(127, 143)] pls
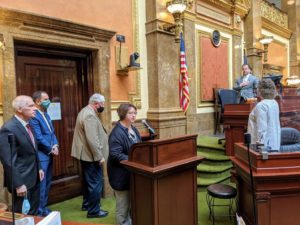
[(217, 108), (227, 96)]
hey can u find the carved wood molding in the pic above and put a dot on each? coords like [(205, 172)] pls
[(272, 13), (275, 28), (239, 7), (263, 196), (50, 25)]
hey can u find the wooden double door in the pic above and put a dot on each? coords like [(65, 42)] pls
[(65, 75)]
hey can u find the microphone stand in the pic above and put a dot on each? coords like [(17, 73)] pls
[(151, 135), (150, 129), (247, 137), (12, 143)]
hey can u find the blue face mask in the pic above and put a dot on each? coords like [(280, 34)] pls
[(25, 206), (45, 104)]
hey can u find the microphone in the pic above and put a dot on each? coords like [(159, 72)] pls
[(151, 130), (247, 138)]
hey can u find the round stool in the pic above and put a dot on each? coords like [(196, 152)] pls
[(220, 191)]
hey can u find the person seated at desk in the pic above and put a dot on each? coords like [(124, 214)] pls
[(246, 84), (264, 123)]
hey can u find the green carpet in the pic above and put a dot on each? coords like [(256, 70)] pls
[(216, 166), (70, 211), (210, 142)]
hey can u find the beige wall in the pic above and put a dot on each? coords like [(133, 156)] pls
[(116, 15)]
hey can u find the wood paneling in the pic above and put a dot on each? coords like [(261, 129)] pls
[(214, 67), (164, 190), (276, 186)]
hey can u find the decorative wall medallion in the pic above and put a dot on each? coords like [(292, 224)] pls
[(216, 38)]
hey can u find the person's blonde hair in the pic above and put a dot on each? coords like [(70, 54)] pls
[(267, 89)]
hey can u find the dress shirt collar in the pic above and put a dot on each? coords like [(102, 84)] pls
[(24, 123)]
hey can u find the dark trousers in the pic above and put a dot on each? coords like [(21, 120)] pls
[(45, 185), (33, 196), (92, 186)]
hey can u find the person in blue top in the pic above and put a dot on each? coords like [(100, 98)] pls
[(47, 145), (122, 137)]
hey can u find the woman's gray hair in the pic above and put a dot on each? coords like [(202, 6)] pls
[(96, 98), (20, 102), (267, 88)]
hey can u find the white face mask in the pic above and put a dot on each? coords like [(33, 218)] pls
[(25, 206)]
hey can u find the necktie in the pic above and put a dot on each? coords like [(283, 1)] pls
[(30, 133)]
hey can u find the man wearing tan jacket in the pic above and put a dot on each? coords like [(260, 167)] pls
[(90, 146)]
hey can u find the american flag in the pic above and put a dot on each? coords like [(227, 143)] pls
[(184, 94)]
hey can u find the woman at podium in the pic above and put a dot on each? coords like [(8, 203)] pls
[(122, 137), (264, 123)]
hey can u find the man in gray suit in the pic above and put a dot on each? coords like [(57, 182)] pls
[(246, 84), (90, 146), (24, 179)]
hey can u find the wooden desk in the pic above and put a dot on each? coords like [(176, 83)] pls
[(276, 186), (235, 119)]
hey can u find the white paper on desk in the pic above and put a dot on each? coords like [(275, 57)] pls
[(52, 219), (25, 221)]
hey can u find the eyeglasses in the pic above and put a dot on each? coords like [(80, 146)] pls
[(132, 113)]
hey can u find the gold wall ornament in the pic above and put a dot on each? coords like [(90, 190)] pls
[(265, 41), (177, 8), (272, 13)]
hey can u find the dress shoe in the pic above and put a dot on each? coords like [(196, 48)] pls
[(102, 210), (98, 215)]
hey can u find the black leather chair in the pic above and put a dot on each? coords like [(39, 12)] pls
[(217, 108), (226, 96)]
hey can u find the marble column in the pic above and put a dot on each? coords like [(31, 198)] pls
[(252, 29), (163, 74), (4, 195)]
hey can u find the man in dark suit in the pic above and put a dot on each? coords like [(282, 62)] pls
[(27, 174), (47, 145)]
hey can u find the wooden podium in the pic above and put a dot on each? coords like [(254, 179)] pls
[(276, 186), (235, 124), (164, 181)]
